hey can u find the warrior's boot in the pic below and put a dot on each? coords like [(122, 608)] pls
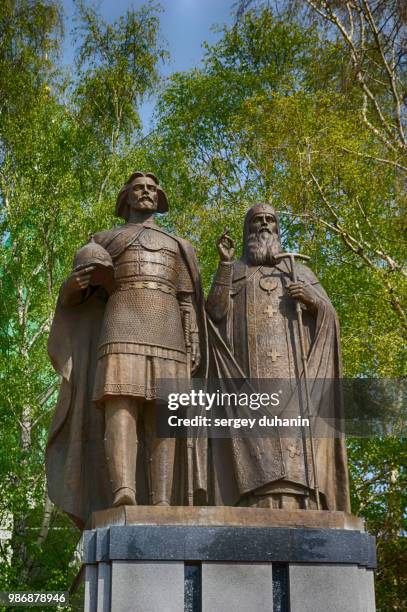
[(162, 471), (160, 463), (121, 448)]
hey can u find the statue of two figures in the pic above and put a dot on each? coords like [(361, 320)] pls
[(133, 313)]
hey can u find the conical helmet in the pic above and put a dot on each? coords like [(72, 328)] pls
[(92, 254)]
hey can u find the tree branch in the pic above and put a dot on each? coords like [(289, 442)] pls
[(380, 160), (390, 71), (357, 60), (358, 248)]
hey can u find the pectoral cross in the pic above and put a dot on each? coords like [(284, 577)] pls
[(273, 354), (270, 311), (293, 451)]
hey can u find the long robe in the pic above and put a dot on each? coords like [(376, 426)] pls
[(77, 472), (242, 465)]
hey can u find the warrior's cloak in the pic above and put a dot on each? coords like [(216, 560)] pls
[(76, 467)]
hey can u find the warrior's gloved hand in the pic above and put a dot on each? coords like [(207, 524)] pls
[(71, 292), (79, 279), (304, 294)]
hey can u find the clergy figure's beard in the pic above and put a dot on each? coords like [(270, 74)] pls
[(262, 247)]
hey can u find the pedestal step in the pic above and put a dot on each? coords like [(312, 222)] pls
[(219, 568)]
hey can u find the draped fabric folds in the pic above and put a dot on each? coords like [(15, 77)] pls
[(77, 473)]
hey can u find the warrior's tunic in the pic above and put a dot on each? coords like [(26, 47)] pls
[(82, 340), (142, 335)]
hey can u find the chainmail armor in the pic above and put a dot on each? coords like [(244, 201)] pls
[(144, 309)]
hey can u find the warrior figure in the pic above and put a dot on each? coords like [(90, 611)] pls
[(253, 305), (127, 316)]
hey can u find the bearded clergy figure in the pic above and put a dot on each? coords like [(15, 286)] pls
[(252, 302)]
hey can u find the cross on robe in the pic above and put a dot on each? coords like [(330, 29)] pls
[(293, 451), (273, 354), (270, 310)]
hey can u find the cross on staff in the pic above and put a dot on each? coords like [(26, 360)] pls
[(273, 354), (269, 310)]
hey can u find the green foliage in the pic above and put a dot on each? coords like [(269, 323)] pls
[(255, 123), (65, 148), (378, 471), (273, 113)]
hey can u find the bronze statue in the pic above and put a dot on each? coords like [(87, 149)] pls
[(132, 313), (253, 304), (127, 316)]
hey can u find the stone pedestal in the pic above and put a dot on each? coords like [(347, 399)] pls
[(158, 559)]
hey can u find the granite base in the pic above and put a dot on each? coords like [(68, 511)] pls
[(157, 564)]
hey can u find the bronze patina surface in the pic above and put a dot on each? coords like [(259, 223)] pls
[(278, 323), (213, 516), (131, 313)]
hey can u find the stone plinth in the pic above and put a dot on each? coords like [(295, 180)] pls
[(206, 559), (207, 516)]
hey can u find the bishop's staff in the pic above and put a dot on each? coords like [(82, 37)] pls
[(292, 257), (190, 444)]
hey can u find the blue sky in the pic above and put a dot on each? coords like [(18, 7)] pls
[(185, 25)]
